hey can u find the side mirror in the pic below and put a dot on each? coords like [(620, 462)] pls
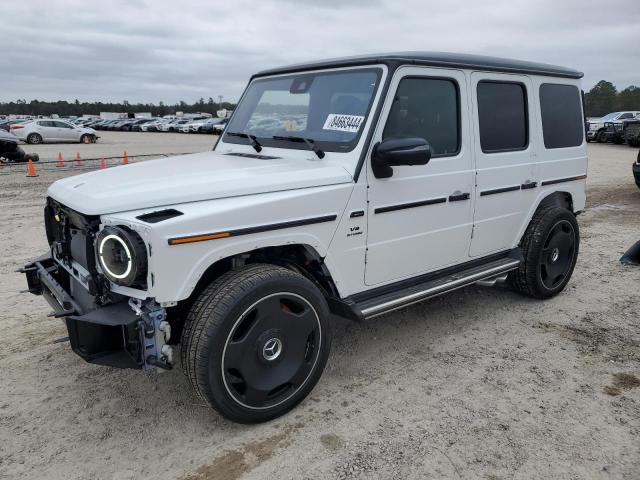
[(399, 151)]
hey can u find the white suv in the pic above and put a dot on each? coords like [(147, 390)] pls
[(349, 187)]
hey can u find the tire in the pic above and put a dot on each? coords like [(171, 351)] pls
[(550, 248), (86, 138), (601, 137), (247, 363), (34, 138)]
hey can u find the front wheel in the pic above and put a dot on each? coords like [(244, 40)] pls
[(550, 249), (256, 341), (34, 138), (601, 137)]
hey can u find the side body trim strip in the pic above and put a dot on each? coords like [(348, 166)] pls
[(499, 190), (402, 206), (563, 180), (249, 230)]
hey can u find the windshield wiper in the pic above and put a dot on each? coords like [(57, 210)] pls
[(253, 141), (309, 141)]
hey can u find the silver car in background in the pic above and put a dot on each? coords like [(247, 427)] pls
[(53, 131)]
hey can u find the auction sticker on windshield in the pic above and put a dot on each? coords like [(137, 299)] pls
[(343, 123)]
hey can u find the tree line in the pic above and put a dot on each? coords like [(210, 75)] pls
[(600, 100), (604, 98), (77, 108)]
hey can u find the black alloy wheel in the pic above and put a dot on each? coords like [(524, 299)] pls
[(271, 351), (558, 254), (255, 342), (549, 248)]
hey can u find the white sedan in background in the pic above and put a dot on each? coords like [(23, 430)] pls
[(52, 131)]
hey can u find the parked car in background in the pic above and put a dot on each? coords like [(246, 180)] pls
[(598, 129), (117, 124), (636, 170), (104, 124), (6, 124), (209, 125), (10, 151), (632, 131), (218, 128), (135, 126), (194, 125), (152, 126), (48, 131), (172, 126)]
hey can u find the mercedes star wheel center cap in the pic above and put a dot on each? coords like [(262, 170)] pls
[(555, 254), (272, 349)]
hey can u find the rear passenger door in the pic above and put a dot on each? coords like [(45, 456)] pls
[(504, 151)]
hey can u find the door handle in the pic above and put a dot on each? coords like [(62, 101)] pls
[(457, 197)]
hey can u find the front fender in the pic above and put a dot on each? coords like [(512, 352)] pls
[(175, 269)]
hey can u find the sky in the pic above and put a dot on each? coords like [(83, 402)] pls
[(158, 50)]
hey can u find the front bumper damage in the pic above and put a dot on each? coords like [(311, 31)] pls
[(129, 333)]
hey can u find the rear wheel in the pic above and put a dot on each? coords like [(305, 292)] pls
[(34, 138), (550, 248), (256, 342)]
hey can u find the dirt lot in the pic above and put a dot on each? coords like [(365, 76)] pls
[(111, 144), (479, 384)]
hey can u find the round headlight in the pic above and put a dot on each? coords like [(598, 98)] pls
[(122, 255)]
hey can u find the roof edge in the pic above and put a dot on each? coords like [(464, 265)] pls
[(433, 59)]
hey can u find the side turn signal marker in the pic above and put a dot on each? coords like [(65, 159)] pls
[(198, 238)]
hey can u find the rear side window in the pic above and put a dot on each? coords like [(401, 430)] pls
[(562, 125), (502, 116), (427, 108)]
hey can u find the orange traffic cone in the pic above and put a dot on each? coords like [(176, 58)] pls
[(103, 164), (78, 160), (31, 169), (125, 158), (60, 162)]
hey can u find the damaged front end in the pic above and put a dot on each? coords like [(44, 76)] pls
[(105, 326)]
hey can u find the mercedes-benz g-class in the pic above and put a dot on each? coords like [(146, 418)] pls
[(349, 187)]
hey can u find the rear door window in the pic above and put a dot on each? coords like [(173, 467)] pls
[(502, 112), (561, 112)]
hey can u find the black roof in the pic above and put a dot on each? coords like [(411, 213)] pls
[(434, 59)]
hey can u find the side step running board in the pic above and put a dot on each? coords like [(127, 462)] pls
[(432, 288)]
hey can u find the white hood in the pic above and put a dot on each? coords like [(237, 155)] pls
[(190, 178)]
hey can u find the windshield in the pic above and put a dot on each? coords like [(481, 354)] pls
[(609, 116), (329, 108)]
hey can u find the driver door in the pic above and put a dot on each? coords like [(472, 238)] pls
[(421, 218)]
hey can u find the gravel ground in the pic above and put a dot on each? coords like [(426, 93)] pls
[(482, 383)]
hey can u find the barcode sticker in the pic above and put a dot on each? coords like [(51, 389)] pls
[(343, 123)]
